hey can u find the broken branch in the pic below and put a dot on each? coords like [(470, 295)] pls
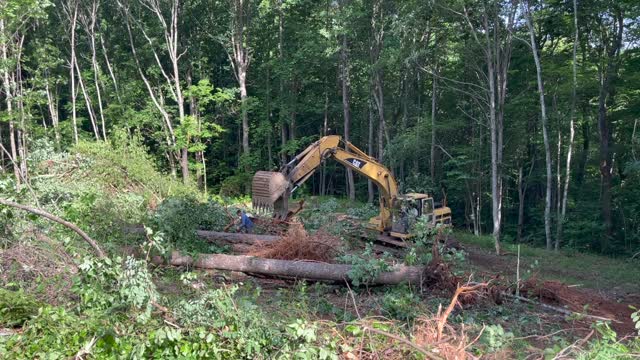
[(60, 221)]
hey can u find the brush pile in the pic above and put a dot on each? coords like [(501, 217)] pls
[(297, 244)]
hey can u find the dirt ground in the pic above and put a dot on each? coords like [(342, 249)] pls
[(607, 303)]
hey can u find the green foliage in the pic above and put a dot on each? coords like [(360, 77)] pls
[(363, 212), (54, 334), (178, 218), (420, 250), (365, 267), (237, 322), (105, 284), (303, 342), (401, 303), (236, 185), (495, 337), (635, 317), (16, 307), (607, 345), (103, 186), (294, 146), (323, 214)]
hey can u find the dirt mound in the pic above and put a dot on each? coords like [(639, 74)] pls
[(297, 244), (581, 301)]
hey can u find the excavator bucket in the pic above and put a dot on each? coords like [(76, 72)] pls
[(270, 193)]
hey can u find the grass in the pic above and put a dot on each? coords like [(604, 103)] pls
[(589, 270)]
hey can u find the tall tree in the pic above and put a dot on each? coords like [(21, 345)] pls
[(155, 93), (545, 131), (572, 130), (610, 43), (345, 80), (494, 24), (240, 59)]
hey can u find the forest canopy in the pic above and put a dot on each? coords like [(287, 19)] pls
[(521, 116)]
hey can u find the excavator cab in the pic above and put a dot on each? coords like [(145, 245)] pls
[(410, 208)]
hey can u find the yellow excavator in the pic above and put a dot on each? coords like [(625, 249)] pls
[(398, 213)]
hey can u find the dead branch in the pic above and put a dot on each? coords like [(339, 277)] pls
[(404, 341), (442, 318), (61, 221), (559, 309)]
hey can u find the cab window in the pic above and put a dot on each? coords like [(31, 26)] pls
[(427, 207)]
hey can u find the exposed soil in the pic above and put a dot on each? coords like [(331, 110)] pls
[(605, 304)]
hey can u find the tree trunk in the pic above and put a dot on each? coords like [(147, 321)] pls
[(245, 115), (283, 126), (110, 68), (325, 128), (72, 68), (9, 103), (521, 193), (584, 153), (156, 98), (14, 155), (370, 185), (433, 125), (295, 269), (545, 135), (496, 192), (235, 238), (22, 131), (607, 76), (2, 155), (90, 29), (240, 61), (87, 100), (53, 112), (347, 110), (269, 120), (172, 41)]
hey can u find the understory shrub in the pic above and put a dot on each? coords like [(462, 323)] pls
[(101, 186), (179, 218), (16, 307)]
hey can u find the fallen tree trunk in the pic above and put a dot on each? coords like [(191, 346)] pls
[(294, 269), (235, 238), (239, 240)]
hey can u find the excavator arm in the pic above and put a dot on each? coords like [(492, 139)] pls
[(271, 190)]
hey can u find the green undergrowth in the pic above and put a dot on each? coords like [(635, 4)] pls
[(123, 307), (590, 270), (16, 308)]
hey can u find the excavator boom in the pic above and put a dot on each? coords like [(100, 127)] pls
[(271, 190)]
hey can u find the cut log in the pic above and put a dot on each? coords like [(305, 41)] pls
[(235, 238), (294, 269)]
